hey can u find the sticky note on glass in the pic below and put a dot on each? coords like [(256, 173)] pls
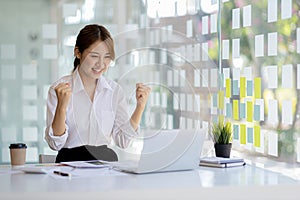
[(204, 25), (287, 114), (225, 49), (259, 46), (49, 31), (298, 40), (256, 136), (213, 23), (286, 9), (250, 135), (221, 99), (243, 87), (273, 111), (273, 144), (236, 109), (204, 78), (235, 48), (242, 110), (189, 28), (50, 51), (205, 51), (272, 76), (260, 103), (249, 88), (228, 88), (243, 134), (235, 18), (214, 78), (235, 87), (272, 44), (226, 74), (249, 111), (272, 11), (228, 110), (69, 10), (257, 88), (247, 15), (235, 132), (287, 76), (257, 112)]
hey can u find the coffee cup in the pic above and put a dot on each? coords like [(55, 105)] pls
[(17, 154)]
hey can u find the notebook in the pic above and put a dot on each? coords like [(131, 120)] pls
[(167, 150)]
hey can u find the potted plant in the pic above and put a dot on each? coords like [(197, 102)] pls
[(222, 137)]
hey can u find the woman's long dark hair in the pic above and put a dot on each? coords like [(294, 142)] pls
[(89, 35)]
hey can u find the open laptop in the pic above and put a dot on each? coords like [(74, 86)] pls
[(167, 150)]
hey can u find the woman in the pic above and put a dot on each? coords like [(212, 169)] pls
[(85, 110)]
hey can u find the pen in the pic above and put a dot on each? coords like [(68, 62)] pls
[(61, 173)]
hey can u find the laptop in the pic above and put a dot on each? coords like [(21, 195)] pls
[(167, 150)]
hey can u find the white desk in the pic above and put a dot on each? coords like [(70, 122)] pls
[(247, 182)]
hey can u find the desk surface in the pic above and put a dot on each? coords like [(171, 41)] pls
[(212, 182)]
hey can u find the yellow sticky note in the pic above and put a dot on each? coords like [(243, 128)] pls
[(242, 87), (221, 99), (228, 88), (243, 134), (249, 111), (257, 88), (257, 136), (236, 109)]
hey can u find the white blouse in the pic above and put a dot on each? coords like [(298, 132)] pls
[(90, 123)]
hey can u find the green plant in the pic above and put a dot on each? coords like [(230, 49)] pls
[(222, 132)]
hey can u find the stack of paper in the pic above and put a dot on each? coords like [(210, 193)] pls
[(222, 162)]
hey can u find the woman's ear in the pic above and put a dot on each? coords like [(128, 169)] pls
[(77, 53)]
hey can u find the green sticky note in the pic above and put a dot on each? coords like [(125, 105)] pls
[(228, 88), (257, 112), (257, 88), (228, 110), (236, 109), (236, 132), (243, 134), (250, 135), (221, 99), (235, 87), (242, 110), (243, 87), (257, 136), (249, 88), (249, 111)]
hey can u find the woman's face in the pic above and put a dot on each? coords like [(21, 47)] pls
[(94, 61)]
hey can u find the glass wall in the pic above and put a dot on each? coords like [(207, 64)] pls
[(204, 60)]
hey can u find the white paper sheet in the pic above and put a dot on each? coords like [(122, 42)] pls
[(204, 25), (197, 52), (182, 78), (190, 102), (286, 9), (287, 114), (273, 111), (236, 18), (170, 121), (272, 44), (272, 11), (287, 76), (272, 76), (183, 102), (247, 12), (225, 49), (170, 78), (259, 45), (298, 76), (236, 48)]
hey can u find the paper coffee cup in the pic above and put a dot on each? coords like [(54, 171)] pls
[(17, 154)]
